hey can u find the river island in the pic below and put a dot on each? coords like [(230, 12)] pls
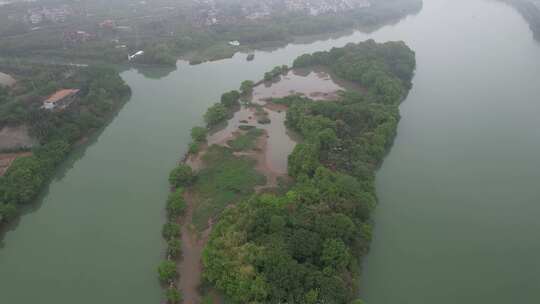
[(272, 202)]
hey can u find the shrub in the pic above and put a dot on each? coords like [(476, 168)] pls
[(230, 99), (170, 231), (194, 148), (182, 175), (198, 134), (176, 203), (7, 212), (247, 87), (173, 296), (167, 271), (215, 114), (174, 248)]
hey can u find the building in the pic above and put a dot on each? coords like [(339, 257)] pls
[(137, 54), (60, 100)]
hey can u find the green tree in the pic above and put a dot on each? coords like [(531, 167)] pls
[(173, 296), (198, 134), (303, 160), (335, 254), (167, 271), (215, 114), (194, 148), (7, 212), (246, 88), (182, 175), (230, 99), (170, 231), (174, 248), (176, 203)]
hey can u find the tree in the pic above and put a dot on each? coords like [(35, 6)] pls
[(327, 139), (246, 88), (230, 99), (174, 248), (176, 203), (182, 175), (268, 76), (7, 212), (215, 114), (173, 296), (303, 160), (335, 254), (170, 231), (167, 271), (198, 134)]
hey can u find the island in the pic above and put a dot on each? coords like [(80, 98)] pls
[(272, 202)]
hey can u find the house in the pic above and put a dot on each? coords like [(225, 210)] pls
[(234, 43), (60, 100)]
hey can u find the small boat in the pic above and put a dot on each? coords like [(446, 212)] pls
[(250, 57)]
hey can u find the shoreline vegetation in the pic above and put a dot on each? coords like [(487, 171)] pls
[(101, 93), (175, 35), (301, 238)]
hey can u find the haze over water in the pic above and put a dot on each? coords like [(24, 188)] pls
[(459, 196)]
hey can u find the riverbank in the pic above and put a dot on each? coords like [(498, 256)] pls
[(56, 132), (316, 158)]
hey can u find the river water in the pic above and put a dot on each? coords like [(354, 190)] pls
[(459, 196)]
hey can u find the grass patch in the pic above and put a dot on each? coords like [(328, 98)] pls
[(226, 179), (215, 52), (246, 141)]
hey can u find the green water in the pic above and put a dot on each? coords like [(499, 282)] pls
[(459, 195), (459, 192)]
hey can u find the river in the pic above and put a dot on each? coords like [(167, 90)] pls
[(459, 196)]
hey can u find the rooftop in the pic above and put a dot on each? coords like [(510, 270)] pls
[(61, 94)]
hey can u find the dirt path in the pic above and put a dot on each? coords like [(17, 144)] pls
[(190, 268)]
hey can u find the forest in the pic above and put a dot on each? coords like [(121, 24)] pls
[(102, 92), (304, 243)]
